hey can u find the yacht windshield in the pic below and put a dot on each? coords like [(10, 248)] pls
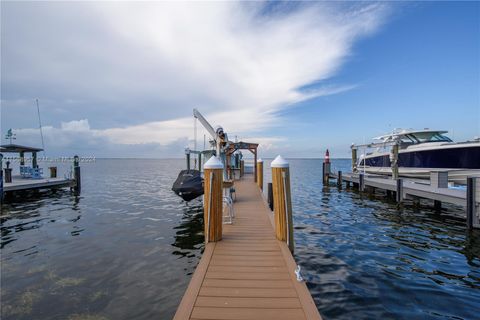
[(421, 137)]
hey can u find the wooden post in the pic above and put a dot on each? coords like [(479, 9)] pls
[(228, 163), (34, 160), (361, 182), (354, 158), (242, 168), (212, 201), (76, 174), (339, 179), (270, 196), (53, 172), (22, 158), (473, 194), (282, 201), (254, 164), (394, 161), (326, 172), (8, 175), (399, 195), (326, 168), (200, 162), (260, 173)]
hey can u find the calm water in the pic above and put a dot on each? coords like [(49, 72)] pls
[(126, 248)]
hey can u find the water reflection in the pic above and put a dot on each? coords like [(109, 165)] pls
[(125, 249), (189, 233), (362, 255), (23, 209)]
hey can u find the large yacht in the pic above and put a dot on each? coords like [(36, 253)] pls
[(423, 151)]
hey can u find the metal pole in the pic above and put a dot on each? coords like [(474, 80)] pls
[(40, 124)]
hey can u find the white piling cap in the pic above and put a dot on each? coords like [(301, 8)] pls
[(260, 160), (279, 162), (213, 163)]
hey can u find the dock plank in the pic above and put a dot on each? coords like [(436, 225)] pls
[(230, 302), (247, 313), (249, 274)]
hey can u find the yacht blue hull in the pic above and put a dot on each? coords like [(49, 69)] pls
[(451, 158)]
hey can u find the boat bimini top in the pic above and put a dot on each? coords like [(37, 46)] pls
[(411, 136)]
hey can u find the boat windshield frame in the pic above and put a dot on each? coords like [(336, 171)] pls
[(426, 137), (417, 137)]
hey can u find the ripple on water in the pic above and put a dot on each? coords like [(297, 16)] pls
[(126, 248)]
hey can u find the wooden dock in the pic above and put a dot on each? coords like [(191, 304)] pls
[(19, 184), (435, 189), (249, 274)]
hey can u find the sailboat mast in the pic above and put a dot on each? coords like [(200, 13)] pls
[(40, 126)]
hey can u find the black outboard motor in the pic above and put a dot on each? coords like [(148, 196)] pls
[(188, 185)]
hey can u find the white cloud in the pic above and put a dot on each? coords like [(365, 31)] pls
[(78, 126), (144, 66)]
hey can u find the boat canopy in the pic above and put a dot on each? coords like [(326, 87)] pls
[(415, 136)]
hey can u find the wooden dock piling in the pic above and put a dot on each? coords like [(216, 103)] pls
[(282, 201), (339, 179), (394, 161), (212, 204), (260, 173), (361, 182), (326, 168), (53, 172), (436, 190), (242, 168), (76, 174), (473, 195), (399, 192), (249, 275), (354, 158)]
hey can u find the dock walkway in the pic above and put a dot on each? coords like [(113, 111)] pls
[(249, 274), (19, 184)]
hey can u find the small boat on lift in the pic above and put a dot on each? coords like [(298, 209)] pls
[(189, 184), (421, 152)]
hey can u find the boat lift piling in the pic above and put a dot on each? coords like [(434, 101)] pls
[(282, 201), (212, 204), (77, 187)]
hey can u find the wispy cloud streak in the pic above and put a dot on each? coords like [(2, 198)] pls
[(139, 69)]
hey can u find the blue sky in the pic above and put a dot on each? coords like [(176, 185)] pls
[(122, 79), (421, 69)]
